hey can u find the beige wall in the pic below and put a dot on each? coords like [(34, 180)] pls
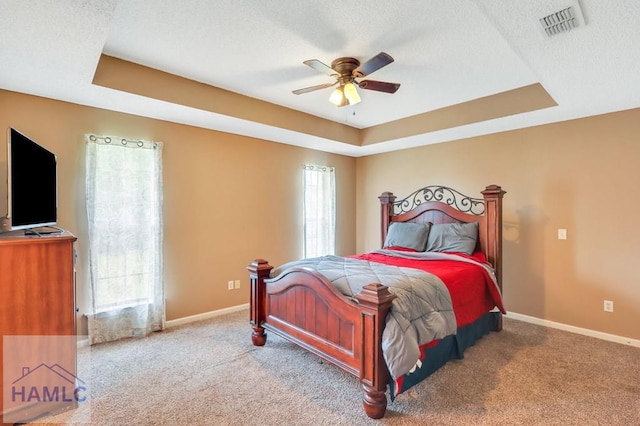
[(227, 199), (580, 175)]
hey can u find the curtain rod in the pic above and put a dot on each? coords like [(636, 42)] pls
[(123, 141)]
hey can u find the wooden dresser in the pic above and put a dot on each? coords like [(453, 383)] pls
[(37, 298)]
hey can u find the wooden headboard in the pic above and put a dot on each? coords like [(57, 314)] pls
[(440, 204)]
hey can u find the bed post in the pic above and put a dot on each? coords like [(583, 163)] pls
[(375, 299), (493, 227), (386, 211), (493, 216), (258, 271)]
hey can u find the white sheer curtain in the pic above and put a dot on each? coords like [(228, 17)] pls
[(319, 210), (124, 210)]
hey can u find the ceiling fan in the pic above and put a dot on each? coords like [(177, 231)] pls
[(346, 71)]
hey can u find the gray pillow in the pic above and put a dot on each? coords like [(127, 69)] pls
[(455, 237), (408, 235)]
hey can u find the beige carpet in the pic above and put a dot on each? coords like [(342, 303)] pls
[(208, 373)]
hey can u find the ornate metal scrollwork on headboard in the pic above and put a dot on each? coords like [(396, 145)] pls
[(443, 194)]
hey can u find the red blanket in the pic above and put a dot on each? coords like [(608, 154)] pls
[(473, 293)]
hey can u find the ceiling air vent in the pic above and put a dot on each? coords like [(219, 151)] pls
[(562, 21)]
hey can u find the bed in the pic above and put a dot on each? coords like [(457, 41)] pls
[(302, 302)]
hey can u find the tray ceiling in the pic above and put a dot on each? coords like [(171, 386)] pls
[(466, 67)]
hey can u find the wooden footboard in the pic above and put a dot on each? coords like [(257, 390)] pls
[(306, 309)]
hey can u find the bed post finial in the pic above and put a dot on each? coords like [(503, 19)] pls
[(386, 211), (493, 212)]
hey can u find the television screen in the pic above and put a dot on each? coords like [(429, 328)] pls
[(32, 183)]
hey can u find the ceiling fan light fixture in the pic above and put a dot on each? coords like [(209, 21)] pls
[(337, 97), (351, 93)]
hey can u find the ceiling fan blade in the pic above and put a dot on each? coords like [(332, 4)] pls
[(380, 86), (320, 66), (312, 88), (374, 64)]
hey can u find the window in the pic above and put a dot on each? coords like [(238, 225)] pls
[(124, 211), (319, 210)]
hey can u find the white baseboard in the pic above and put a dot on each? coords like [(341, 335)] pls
[(572, 329), (205, 315), (511, 315)]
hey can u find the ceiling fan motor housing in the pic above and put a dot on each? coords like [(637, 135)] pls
[(345, 67)]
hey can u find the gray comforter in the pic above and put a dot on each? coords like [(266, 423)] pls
[(420, 313)]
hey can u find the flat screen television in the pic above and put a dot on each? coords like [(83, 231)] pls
[(32, 199)]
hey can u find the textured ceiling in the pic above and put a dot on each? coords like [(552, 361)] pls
[(446, 53)]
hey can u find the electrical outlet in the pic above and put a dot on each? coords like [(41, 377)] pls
[(229, 285), (608, 306), (237, 284)]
